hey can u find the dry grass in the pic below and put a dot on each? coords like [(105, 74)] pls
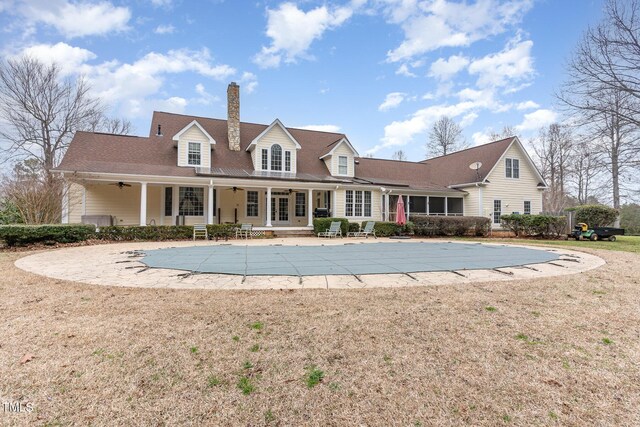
[(544, 352)]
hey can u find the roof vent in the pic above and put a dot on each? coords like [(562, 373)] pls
[(159, 130)]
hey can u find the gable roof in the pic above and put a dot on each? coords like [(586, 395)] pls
[(338, 143), (453, 169), (189, 126), (264, 132)]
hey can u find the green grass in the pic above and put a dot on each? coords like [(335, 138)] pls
[(490, 308), (257, 326), (623, 244), (607, 341), (254, 348), (245, 385), (213, 381), (314, 376)]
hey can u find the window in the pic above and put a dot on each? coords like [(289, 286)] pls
[(300, 204), (527, 207), (276, 157), (367, 203), (512, 168), (349, 203), (252, 203), (287, 161), (191, 201), (265, 159), (168, 201), (497, 211), (358, 203), (342, 165), (194, 155)]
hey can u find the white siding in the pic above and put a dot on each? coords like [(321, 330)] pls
[(123, 203), (376, 207), (471, 201), (332, 161), (75, 197), (194, 134), (512, 191), (275, 135)]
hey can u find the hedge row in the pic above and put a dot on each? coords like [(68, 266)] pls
[(595, 215), (535, 225), (161, 232), (323, 224), (451, 225), (20, 235)]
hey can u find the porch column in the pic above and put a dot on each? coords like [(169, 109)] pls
[(175, 207), (408, 208), (446, 212), (65, 203), (143, 204), (310, 209), (210, 205), (334, 208), (268, 224), (386, 207)]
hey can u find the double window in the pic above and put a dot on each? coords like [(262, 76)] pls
[(191, 201), (343, 169), (512, 168), (497, 211), (252, 204), (194, 154), (358, 203), (301, 204)]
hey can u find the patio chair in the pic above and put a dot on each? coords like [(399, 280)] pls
[(200, 230), (333, 231), (244, 231), (366, 232)]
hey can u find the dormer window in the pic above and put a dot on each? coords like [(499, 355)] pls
[(265, 159), (276, 157), (287, 161), (194, 155), (342, 165)]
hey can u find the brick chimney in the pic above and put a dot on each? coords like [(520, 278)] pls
[(233, 116)]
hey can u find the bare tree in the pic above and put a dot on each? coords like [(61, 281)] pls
[(607, 60), (43, 111), (115, 126), (445, 137), (587, 166), (553, 150), (507, 131), (399, 155)]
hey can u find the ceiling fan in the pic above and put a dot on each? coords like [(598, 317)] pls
[(120, 184), (235, 189)]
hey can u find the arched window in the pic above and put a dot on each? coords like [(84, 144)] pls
[(276, 157)]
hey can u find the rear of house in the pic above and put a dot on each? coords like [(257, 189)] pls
[(202, 170)]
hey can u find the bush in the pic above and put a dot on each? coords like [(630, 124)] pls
[(595, 215), (9, 213), (20, 235), (535, 225), (353, 227), (162, 232), (630, 218), (323, 224), (451, 225)]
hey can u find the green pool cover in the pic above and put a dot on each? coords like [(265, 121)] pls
[(355, 258)]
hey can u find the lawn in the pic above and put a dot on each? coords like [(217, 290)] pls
[(541, 352), (623, 243)]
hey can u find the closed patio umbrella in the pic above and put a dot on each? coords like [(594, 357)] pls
[(401, 218)]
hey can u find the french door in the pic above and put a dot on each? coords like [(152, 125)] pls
[(280, 210)]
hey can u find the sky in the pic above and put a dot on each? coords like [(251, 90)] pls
[(380, 71)]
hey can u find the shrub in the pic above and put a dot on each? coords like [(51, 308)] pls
[(386, 229), (451, 225), (595, 215), (9, 213), (354, 226), (19, 235), (630, 218), (162, 232), (323, 224), (535, 225)]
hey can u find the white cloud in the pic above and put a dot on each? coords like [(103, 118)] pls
[(527, 105), (444, 69), (480, 138), (512, 64), (392, 100), (537, 119), (292, 31), (433, 24), (68, 58), (249, 82), (403, 70), (76, 19), (322, 128), (468, 119), (165, 29), (204, 97), (162, 3)]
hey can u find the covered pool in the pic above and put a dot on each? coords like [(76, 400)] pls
[(347, 259)]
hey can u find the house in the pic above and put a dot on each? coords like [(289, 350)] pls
[(203, 170)]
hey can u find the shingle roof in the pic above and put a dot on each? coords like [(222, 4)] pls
[(156, 155)]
